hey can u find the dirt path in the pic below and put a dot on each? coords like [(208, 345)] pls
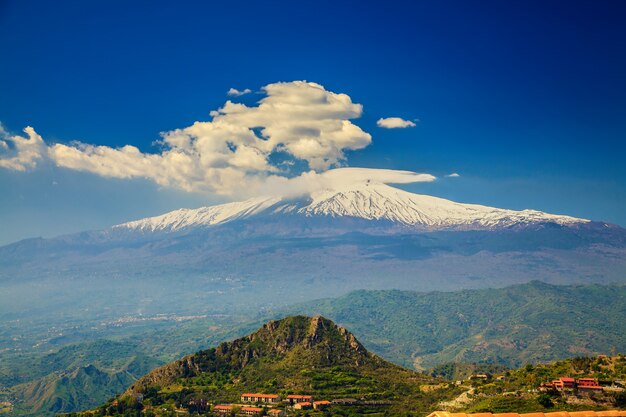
[(459, 401)]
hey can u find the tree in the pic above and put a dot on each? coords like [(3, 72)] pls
[(545, 401)]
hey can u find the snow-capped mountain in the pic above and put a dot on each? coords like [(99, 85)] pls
[(273, 251), (368, 201)]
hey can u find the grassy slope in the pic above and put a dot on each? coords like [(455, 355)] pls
[(520, 385), (293, 355), (512, 326)]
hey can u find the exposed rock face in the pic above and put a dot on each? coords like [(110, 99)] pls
[(312, 341)]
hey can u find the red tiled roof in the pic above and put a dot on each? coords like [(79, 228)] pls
[(255, 409), (260, 395), (322, 402), (299, 396), (222, 407), (567, 379)]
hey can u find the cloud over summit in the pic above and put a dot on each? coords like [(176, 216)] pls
[(235, 150)]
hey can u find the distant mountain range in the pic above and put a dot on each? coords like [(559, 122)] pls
[(513, 326), (273, 251), (492, 328)]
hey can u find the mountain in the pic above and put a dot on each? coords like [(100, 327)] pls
[(529, 323), (75, 377), (252, 254), (294, 355), (86, 386), (368, 201)]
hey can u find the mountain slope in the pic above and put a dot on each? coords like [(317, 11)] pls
[(58, 393), (529, 323), (369, 201), (73, 378), (298, 354)]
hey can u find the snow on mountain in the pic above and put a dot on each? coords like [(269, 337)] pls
[(370, 201), (204, 216)]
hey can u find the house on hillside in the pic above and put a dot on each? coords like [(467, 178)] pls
[(303, 406), (294, 399), (583, 385), (321, 405), (260, 398), (222, 409), (588, 385), (251, 411), (564, 384), (276, 412)]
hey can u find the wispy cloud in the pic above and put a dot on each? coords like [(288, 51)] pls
[(233, 92), (453, 175), (394, 123), (232, 153)]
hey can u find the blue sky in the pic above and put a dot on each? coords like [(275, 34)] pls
[(525, 100)]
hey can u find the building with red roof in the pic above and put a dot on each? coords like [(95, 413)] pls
[(303, 406), (321, 405), (251, 411), (222, 409), (260, 398), (294, 399)]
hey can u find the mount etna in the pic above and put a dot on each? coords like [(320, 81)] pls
[(276, 251)]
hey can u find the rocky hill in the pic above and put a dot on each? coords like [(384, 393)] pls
[(295, 355)]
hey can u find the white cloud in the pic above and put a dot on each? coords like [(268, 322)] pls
[(337, 179), (453, 175), (232, 154), (20, 153), (394, 123), (233, 92)]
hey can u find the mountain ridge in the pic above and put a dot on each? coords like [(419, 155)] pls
[(368, 201), (291, 355)]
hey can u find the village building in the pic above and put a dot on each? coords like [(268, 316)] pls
[(222, 409), (321, 405), (251, 411), (303, 406), (478, 376), (294, 399), (562, 384), (583, 385), (260, 398), (588, 385), (276, 412)]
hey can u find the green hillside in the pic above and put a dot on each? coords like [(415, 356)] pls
[(84, 386), (511, 326), (295, 355), (518, 389), (75, 377)]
